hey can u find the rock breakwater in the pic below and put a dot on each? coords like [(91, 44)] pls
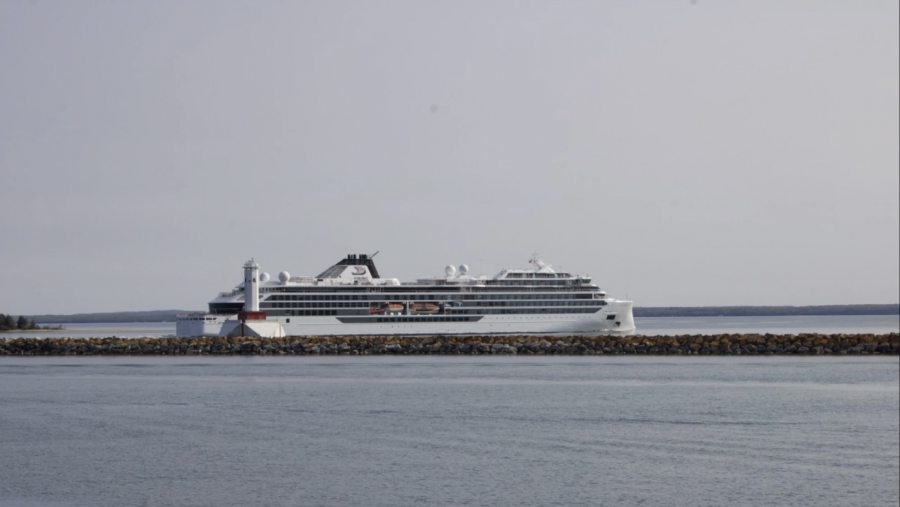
[(703, 345)]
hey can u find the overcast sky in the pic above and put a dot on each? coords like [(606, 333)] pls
[(682, 153)]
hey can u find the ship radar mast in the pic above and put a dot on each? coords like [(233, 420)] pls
[(542, 267)]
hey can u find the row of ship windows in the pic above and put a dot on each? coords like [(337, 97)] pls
[(510, 311), (584, 302), (422, 319), (537, 282), (482, 303), (424, 297), (326, 313), (538, 275)]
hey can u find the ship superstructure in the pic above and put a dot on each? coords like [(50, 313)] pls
[(350, 298)]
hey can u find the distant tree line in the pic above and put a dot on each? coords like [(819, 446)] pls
[(111, 317), (8, 323), (765, 311)]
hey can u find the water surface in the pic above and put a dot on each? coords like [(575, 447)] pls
[(508, 431)]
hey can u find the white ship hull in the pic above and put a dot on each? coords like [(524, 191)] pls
[(597, 323), (199, 324)]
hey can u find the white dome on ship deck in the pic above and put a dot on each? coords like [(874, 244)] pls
[(463, 269), (284, 277), (450, 271), (264, 277)]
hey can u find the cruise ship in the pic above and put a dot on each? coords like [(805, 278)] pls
[(351, 298)]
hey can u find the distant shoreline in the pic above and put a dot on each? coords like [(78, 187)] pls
[(766, 311), (39, 329), (650, 311)]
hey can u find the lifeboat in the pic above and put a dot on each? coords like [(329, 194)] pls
[(424, 308), (393, 307)]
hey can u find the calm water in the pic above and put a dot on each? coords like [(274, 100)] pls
[(647, 326), (387, 431), (776, 325)]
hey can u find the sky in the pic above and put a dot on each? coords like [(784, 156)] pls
[(682, 153)]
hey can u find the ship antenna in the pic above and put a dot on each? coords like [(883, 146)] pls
[(374, 254)]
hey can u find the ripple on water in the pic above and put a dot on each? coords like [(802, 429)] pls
[(450, 431)]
